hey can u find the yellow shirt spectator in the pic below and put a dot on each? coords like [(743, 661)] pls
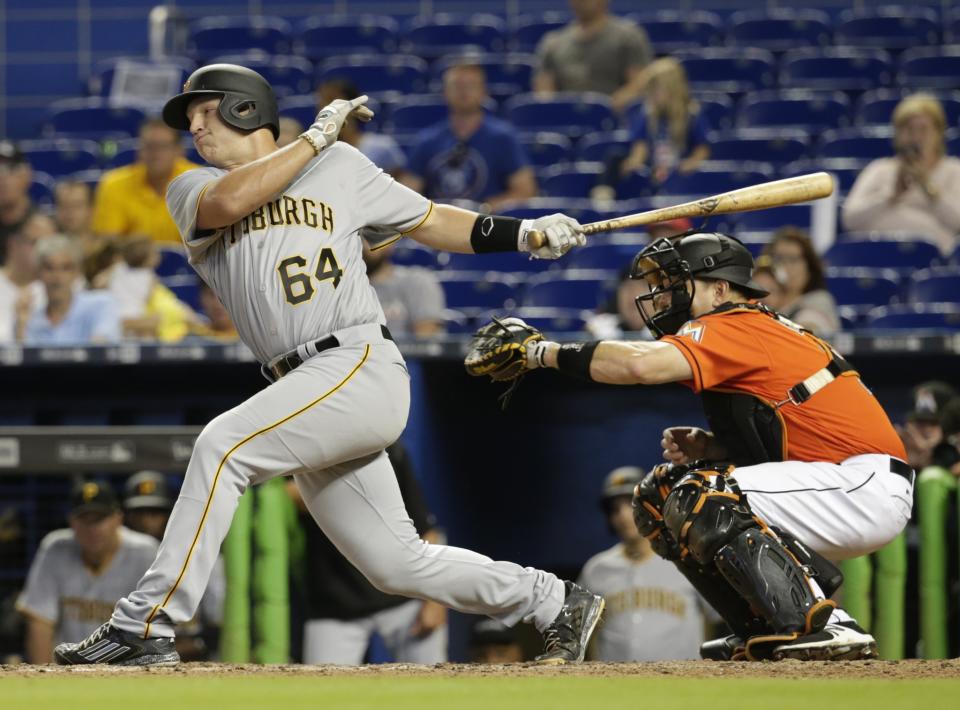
[(131, 200)]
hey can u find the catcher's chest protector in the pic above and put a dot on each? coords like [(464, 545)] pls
[(751, 430)]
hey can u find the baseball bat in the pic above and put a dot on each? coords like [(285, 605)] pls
[(775, 193)]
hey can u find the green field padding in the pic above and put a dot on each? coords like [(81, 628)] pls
[(235, 635), (293, 692), (934, 491), (857, 579), (271, 587), (891, 588)]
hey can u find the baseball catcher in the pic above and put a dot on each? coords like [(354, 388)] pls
[(801, 467)]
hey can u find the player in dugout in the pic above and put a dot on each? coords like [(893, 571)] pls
[(801, 467)]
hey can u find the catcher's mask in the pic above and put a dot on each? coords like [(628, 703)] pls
[(669, 268)]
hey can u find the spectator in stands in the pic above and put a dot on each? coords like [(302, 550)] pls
[(492, 642), (621, 317), (69, 317), (411, 297), (916, 190), (765, 275), (79, 573), (344, 609), (131, 200), (653, 613), (669, 133), (797, 266), (290, 130), (471, 155), (382, 150), (923, 430), (73, 209), (597, 51), (218, 324), (15, 203), (148, 309), (146, 508), (18, 281)]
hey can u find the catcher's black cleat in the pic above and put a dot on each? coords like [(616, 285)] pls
[(565, 640), (118, 648), (728, 648), (844, 641)]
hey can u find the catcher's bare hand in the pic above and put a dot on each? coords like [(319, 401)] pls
[(683, 445)]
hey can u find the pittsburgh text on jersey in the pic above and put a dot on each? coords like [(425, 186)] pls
[(281, 211)]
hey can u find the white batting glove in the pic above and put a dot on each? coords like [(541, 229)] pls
[(326, 127), (562, 234)]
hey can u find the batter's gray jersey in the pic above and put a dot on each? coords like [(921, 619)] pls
[(65, 592), (653, 613), (292, 270)]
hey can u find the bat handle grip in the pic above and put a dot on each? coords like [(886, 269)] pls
[(535, 239)]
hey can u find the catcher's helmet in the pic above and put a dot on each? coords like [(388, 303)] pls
[(247, 101), (620, 482), (668, 265)]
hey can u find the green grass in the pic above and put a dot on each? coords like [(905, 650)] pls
[(289, 692)]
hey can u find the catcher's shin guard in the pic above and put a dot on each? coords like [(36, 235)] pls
[(714, 527)]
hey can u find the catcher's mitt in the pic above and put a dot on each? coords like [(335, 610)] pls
[(499, 350)]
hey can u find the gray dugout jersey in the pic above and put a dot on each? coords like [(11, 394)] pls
[(652, 614), (292, 271), (65, 592)]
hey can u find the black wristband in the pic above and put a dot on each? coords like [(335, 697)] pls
[(574, 359), (491, 233)]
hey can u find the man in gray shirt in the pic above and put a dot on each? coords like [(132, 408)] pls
[(411, 297), (596, 52), (79, 573)]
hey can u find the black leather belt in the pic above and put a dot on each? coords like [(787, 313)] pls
[(292, 360), (902, 468)]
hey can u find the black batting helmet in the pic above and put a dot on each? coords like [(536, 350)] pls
[(668, 265), (247, 101)]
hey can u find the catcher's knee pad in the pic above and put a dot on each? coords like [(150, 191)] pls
[(713, 525), (648, 500)]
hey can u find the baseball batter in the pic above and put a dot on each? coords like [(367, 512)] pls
[(820, 472), (276, 234)]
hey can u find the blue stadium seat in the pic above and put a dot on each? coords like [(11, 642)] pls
[(953, 142), (836, 69), (889, 28), (61, 156), (795, 109), (410, 253), (124, 152), (466, 292), (573, 114), (876, 107), (717, 108), (610, 256), (41, 189), (635, 185), (326, 35), (528, 30), (730, 70), (186, 287), (91, 118), (572, 180), (720, 177), (930, 68), (778, 145), (101, 76), (927, 316), (398, 73), (770, 220), (508, 74), (859, 289), (904, 254), (91, 177), (302, 108), (844, 170), (859, 143), (446, 33), (288, 75), (937, 285), (581, 210), (497, 262), (173, 262), (779, 29), (212, 36), (571, 291), (547, 149), (414, 113), (603, 146), (549, 320), (670, 31)]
